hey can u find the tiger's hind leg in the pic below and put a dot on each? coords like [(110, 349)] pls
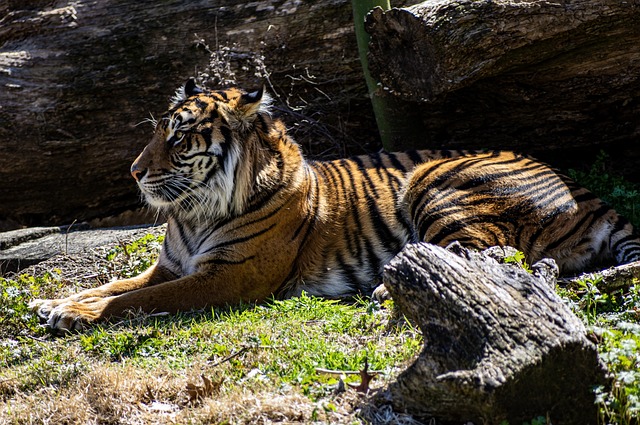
[(624, 243), (482, 200), (502, 198)]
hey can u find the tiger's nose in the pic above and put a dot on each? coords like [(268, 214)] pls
[(137, 172)]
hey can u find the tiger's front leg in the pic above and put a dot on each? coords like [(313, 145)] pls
[(154, 275), (196, 291)]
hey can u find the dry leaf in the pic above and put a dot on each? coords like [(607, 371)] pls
[(198, 392)]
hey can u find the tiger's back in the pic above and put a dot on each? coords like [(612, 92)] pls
[(378, 203)]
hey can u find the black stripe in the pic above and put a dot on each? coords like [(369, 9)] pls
[(519, 174), (236, 228), (200, 104), (381, 170), (371, 261), (223, 262), (168, 251), (332, 173), (183, 237), (213, 170), (459, 225), (365, 175), (414, 157), (624, 240), (242, 239), (350, 235), (382, 230), (396, 162), (206, 136), (587, 196), (418, 204), (587, 218), (551, 185), (348, 271)]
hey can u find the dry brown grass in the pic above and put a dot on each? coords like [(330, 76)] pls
[(125, 394)]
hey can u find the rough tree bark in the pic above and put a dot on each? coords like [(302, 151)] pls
[(78, 76), (541, 77), (499, 344)]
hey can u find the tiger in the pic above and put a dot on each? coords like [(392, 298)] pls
[(249, 218)]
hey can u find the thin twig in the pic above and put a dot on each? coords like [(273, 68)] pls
[(35, 338), (345, 372), (243, 350), (66, 237), (124, 248), (231, 356)]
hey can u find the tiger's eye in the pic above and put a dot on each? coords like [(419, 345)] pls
[(178, 134)]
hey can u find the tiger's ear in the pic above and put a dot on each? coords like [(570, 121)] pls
[(184, 92), (248, 106), (253, 102), (191, 89)]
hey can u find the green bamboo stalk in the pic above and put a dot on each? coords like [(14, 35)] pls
[(380, 106)]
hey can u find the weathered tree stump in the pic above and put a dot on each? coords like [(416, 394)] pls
[(499, 344), (541, 77)]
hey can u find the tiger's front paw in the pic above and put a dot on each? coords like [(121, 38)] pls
[(68, 315), (381, 294), (43, 308)]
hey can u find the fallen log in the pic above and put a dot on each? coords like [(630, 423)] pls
[(78, 77), (613, 279), (541, 77), (499, 344)]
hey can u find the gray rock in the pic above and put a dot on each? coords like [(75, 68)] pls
[(25, 247)]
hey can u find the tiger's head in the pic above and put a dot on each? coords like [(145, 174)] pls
[(212, 153)]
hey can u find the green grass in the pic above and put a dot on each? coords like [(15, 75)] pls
[(138, 369), (613, 320), (295, 330)]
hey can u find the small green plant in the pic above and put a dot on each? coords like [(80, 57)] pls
[(140, 254), (518, 258), (620, 350), (590, 297), (614, 320), (15, 294), (622, 195)]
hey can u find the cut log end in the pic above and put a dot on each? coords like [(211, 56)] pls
[(499, 343)]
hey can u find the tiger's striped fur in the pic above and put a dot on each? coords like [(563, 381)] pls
[(502, 198), (249, 217)]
